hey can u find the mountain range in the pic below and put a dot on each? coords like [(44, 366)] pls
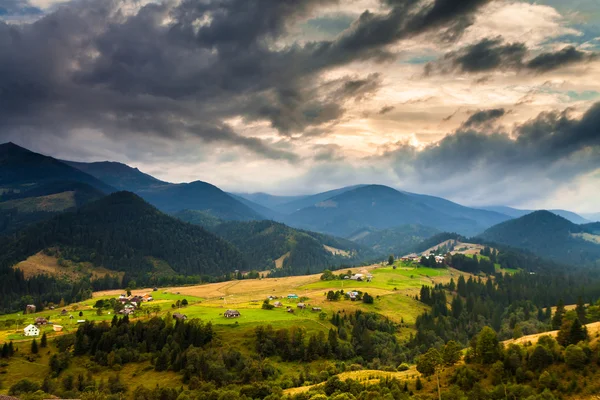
[(267, 231)]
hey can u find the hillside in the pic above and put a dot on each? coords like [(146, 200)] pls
[(309, 201), (18, 210), (198, 196), (196, 217), (22, 169), (122, 232), (263, 211), (262, 243), (378, 207), (118, 175), (547, 235), (483, 218), (269, 200), (398, 240)]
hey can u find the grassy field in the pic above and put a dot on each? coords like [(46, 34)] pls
[(393, 289)]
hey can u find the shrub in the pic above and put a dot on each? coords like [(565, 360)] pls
[(23, 386)]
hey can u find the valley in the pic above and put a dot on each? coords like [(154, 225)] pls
[(127, 282)]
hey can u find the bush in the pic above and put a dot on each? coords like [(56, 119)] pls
[(23, 386), (575, 357), (403, 367)]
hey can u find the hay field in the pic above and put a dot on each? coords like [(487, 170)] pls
[(364, 376), (593, 330)]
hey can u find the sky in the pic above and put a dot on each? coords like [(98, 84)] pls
[(484, 102)]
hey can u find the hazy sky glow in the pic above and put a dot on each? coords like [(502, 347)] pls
[(480, 101)]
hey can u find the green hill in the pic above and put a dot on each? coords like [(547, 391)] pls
[(122, 232), (398, 240), (547, 235), (262, 243), (197, 217)]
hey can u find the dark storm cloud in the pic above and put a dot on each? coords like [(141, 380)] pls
[(549, 150), (178, 69), (568, 55), (494, 54), (482, 117)]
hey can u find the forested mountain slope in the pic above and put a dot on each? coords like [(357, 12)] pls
[(124, 233), (547, 235), (19, 209)]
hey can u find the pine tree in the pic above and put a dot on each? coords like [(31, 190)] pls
[(580, 310), (44, 341), (419, 384), (577, 333), (34, 347), (557, 319)]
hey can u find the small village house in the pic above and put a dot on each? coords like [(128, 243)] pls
[(57, 328), (41, 321), (179, 316), (30, 308), (277, 304), (63, 312), (292, 296), (301, 306), (31, 330), (231, 314), (315, 309)]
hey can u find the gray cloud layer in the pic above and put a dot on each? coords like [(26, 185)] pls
[(494, 54), (533, 160), (172, 70)]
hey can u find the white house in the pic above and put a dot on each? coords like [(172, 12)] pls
[(31, 330)]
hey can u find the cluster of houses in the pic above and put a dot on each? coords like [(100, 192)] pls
[(131, 303), (417, 258), (360, 277)]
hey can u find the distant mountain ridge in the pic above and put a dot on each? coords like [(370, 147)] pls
[(548, 236), (22, 169), (171, 197), (118, 175), (381, 207), (516, 213)]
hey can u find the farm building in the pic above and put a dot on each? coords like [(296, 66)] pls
[(357, 277), (179, 316), (30, 308), (41, 321), (290, 310), (231, 314), (277, 304), (31, 330), (63, 312), (301, 306), (57, 328), (292, 296), (316, 309)]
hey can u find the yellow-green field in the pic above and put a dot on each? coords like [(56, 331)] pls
[(394, 291)]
